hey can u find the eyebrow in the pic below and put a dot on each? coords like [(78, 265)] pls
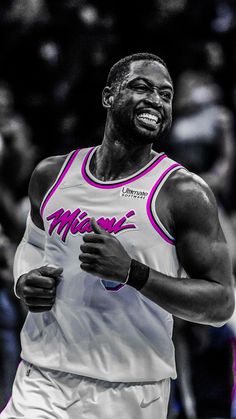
[(163, 86)]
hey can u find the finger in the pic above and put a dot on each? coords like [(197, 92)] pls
[(94, 238), (39, 298), (35, 302), (39, 292), (87, 267), (50, 270), (39, 281), (94, 248), (87, 258), (39, 309), (96, 228)]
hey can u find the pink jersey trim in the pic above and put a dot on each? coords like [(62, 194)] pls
[(116, 185), (59, 180), (149, 203)]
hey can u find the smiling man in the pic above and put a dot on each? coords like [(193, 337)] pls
[(119, 239)]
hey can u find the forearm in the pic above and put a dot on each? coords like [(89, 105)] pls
[(30, 252), (195, 300)]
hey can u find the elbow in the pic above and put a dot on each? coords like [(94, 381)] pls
[(225, 309)]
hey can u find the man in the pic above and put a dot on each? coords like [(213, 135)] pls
[(119, 239)]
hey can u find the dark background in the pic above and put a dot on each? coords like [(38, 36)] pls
[(54, 59)]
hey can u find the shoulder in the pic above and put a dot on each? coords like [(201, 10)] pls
[(48, 167), (188, 185), (191, 201)]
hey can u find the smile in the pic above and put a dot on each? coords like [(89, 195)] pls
[(148, 119)]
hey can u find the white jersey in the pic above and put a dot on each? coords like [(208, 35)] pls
[(97, 328)]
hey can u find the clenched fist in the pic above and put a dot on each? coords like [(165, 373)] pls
[(37, 288), (103, 255)]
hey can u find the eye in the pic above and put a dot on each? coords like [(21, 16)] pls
[(166, 95), (140, 87)]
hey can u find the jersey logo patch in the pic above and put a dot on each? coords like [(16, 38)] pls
[(133, 193), (111, 285), (146, 404), (78, 221)]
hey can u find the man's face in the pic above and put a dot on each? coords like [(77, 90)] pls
[(142, 105)]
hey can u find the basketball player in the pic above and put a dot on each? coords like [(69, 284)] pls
[(119, 239)]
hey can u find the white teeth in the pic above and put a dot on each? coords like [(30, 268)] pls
[(148, 116)]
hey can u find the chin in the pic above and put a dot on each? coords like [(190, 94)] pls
[(147, 137)]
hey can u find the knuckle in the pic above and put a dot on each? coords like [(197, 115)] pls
[(26, 292), (85, 266), (108, 237), (28, 277), (50, 283), (101, 250), (52, 291)]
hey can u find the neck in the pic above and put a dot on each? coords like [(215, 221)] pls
[(116, 158)]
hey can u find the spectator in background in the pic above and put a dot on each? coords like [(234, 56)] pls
[(17, 155), (11, 319), (202, 139), (27, 12)]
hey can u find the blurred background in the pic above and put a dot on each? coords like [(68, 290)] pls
[(54, 60)]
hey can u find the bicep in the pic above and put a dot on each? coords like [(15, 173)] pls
[(204, 254), (200, 243)]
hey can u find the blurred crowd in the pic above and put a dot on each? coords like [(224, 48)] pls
[(55, 56)]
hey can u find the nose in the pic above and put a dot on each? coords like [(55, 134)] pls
[(154, 98)]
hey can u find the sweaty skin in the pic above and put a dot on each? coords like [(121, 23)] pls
[(186, 205)]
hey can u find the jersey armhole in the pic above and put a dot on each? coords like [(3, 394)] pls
[(62, 173), (151, 209)]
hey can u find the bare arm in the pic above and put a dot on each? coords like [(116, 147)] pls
[(36, 283), (207, 295)]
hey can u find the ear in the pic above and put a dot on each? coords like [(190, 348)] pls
[(107, 97)]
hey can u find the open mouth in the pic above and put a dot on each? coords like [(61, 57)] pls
[(148, 120)]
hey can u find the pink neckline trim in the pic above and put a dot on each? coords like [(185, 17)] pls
[(107, 185)]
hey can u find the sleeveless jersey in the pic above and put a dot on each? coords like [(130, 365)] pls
[(97, 328)]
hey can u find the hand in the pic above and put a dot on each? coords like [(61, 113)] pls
[(103, 255), (37, 288)]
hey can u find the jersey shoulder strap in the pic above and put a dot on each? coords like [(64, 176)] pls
[(169, 166), (60, 178)]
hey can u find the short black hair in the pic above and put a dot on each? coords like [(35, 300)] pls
[(121, 67)]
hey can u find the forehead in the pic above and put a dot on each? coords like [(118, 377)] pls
[(154, 71)]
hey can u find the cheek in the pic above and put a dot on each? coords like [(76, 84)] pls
[(168, 113), (123, 107)]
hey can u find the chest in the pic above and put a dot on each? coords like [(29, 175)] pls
[(117, 211)]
